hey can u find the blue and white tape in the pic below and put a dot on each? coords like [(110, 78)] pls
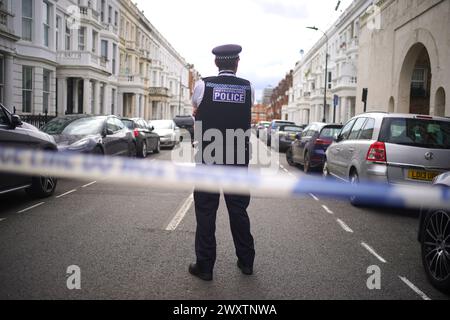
[(165, 174)]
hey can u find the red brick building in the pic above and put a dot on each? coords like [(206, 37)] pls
[(279, 97), (258, 113)]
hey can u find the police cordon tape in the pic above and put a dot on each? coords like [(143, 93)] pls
[(165, 174)]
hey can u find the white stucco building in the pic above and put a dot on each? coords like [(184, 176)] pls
[(404, 57), (306, 97), (88, 56)]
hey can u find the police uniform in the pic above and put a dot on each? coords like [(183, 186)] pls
[(222, 103)]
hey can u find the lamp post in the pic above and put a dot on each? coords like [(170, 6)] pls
[(326, 71)]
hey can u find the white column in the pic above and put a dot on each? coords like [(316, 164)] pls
[(62, 96), (107, 98), (87, 96), (8, 81), (137, 109), (96, 97), (343, 109), (119, 104)]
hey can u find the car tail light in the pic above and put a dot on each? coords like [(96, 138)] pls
[(136, 133), (377, 152), (322, 142)]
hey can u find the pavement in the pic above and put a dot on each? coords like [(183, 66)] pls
[(137, 243)]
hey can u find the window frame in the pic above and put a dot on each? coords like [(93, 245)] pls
[(46, 94), (27, 90), (27, 20)]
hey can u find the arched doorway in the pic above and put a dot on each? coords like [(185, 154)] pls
[(439, 109), (391, 105), (415, 81)]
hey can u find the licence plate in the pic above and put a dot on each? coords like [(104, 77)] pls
[(422, 175)]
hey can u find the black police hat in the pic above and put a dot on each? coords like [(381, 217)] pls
[(228, 51)]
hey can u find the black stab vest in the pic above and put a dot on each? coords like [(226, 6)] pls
[(226, 104)]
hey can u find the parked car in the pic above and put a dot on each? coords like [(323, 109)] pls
[(390, 148), (18, 134), (310, 146), (92, 134), (262, 125), (272, 128), (168, 131), (185, 123), (146, 139), (434, 238), (284, 136)]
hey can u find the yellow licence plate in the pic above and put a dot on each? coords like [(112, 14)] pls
[(422, 175)]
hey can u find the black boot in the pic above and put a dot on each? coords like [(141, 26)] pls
[(195, 271), (245, 270)]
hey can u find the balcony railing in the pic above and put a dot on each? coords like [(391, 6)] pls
[(159, 91), (81, 58), (89, 13)]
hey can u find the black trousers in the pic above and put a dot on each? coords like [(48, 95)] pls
[(206, 205)]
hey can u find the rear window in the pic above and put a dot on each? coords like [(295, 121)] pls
[(291, 129), (128, 123), (329, 132), (433, 134)]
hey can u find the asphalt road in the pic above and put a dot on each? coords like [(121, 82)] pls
[(137, 243)]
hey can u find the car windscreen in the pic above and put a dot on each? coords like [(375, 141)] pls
[(329, 132), (84, 126), (422, 133), (162, 124), (128, 123), (57, 125), (279, 124), (290, 129)]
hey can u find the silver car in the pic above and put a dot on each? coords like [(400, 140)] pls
[(390, 148)]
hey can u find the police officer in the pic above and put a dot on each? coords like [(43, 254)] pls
[(223, 103)]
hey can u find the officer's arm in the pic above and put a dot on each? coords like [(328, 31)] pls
[(197, 96)]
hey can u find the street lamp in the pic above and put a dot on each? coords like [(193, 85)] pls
[(326, 71)]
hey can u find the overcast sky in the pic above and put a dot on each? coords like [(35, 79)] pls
[(271, 32)]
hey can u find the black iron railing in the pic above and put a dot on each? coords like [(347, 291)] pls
[(37, 120)]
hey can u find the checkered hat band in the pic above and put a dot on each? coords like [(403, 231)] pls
[(227, 57)]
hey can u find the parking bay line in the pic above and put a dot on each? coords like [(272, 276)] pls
[(32, 207), (65, 194), (314, 197), (327, 209), (89, 184), (373, 252), (344, 226), (181, 213), (414, 288)]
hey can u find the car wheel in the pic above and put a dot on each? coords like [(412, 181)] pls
[(289, 157), (144, 150), (435, 245), (354, 180), (307, 164), (158, 147), (42, 187), (325, 171)]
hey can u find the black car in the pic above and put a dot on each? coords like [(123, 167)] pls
[(92, 134), (17, 134), (146, 139), (284, 136), (185, 123), (434, 238), (310, 146)]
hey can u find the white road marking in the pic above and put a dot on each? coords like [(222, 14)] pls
[(89, 184), (327, 209), (32, 207), (3, 219), (286, 170), (372, 251), (180, 214), (344, 226), (314, 197), (65, 194), (414, 288)]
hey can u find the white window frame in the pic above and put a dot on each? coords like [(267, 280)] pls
[(27, 90), (46, 24), (82, 39), (57, 32), (46, 92), (67, 36), (27, 20)]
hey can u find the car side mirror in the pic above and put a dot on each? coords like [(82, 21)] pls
[(336, 138), (152, 128), (15, 121)]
